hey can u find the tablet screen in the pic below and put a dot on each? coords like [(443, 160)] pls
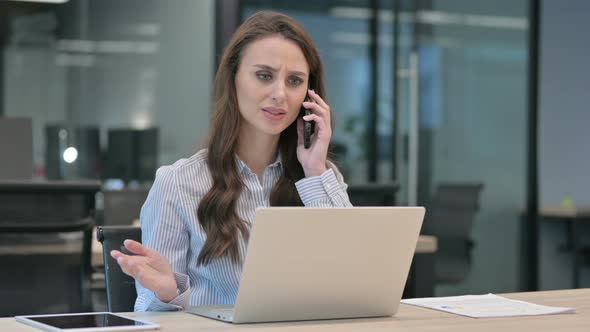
[(88, 320)]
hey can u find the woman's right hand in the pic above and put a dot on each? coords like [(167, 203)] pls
[(149, 268)]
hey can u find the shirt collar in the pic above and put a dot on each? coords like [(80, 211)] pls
[(242, 166)]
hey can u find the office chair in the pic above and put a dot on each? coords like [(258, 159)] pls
[(121, 293), (450, 219), (122, 207), (63, 261), (372, 194), (45, 245)]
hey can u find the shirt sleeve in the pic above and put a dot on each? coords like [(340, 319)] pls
[(163, 230), (326, 190)]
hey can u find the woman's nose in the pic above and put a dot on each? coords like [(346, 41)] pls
[(278, 93)]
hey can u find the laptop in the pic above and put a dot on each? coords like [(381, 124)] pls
[(323, 263)]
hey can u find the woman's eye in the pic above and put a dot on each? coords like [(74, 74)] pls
[(264, 76), (295, 81)]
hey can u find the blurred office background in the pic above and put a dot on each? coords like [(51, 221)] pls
[(431, 95)]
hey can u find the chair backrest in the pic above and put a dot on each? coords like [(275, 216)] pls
[(122, 207), (451, 215), (45, 241), (120, 288), (372, 194), (46, 261)]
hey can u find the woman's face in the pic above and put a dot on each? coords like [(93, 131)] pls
[(271, 83)]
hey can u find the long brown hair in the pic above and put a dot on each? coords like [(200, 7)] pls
[(217, 209)]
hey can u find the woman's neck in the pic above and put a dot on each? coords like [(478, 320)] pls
[(257, 152)]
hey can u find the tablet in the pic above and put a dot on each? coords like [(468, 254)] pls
[(86, 322)]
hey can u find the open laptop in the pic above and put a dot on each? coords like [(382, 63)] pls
[(323, 263)]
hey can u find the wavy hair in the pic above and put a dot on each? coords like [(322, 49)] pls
[(217, 209)]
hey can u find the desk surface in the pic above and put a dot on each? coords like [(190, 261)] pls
[(408, 318)]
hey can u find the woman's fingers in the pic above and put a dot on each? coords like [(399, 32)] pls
[(128, 264), (123, 261), (133, 266), (317, 109), (149, 268), (318, 99), (299, 131), (137, 248), (319, 121), (116, 253)]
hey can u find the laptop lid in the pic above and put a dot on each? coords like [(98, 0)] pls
[(326, 263)]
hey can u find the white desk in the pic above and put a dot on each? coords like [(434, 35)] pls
[(408, 319)]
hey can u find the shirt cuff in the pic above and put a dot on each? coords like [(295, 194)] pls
[(180, 302), (318, 188)]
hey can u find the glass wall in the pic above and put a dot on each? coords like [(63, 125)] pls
[(457, 116), (473, 61), (127, 84)]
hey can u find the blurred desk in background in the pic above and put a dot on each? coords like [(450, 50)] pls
[(372, 194), (426, 246), (571, 216), (421, 279)]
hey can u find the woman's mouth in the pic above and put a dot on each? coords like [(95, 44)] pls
[(274, 114)]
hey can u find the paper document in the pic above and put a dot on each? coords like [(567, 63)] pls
[(490, 305)]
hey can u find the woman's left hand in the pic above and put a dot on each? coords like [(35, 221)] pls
[(314, 159)]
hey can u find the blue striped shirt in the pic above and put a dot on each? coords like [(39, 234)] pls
[(170, 226)]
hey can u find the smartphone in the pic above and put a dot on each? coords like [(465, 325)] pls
[(308, 126)]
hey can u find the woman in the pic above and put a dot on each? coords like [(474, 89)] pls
[(196, 219)]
